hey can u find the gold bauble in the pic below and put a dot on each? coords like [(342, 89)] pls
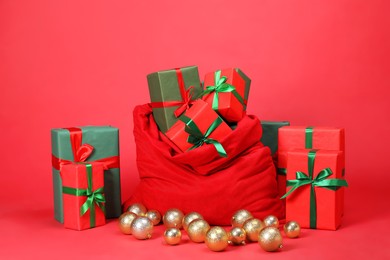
[(124, 222), (172, 236), (154, 216), (217, 239), (142, 228), (173, 218), (197, 230), (189, 218), (270, 239), (292, 229), (237, 236), (138, 209), (271, 221), (240, 217), (252, 228)]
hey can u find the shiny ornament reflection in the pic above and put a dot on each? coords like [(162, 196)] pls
[(172, 236), (237, 236), (124, 222), (217, 239), (173, 218), (271, 221), (270, 239), (240, 217), (292, 229), (197, 230), (188, 218), (154, 216), (142, 228), (252, 228), (138, 209)]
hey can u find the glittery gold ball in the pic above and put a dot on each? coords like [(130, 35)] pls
[(197, 230), (154, 216), (173, 218), (240, 217), (124, 222), (237, 236), (189, 218), (138, 209), (292, 229), (216, 239), (252, 228), (271, 221), (270, 239), (172, 236), (142, 228)]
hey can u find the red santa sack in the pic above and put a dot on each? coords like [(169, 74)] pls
[(202, 181)]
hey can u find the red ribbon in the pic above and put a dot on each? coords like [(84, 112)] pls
[(81, 152), (186, 96)]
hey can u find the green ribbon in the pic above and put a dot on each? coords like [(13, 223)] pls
[(198, 139), (320, 181), (93, 197), (220, 87), (309, 137)]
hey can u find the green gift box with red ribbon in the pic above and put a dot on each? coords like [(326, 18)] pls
[(83, 195), (227, 91), (87, 144), (199, 126), (172, 92), (315, 185)]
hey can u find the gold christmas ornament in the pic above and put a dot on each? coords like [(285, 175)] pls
[(172, 236), (154, 216), (237, 236), (142, 228), (271, 221), (252, 228), (189, 218), (292, 229), (124, 222), (138, 209), (270, 239), (173, 218), (240, 217), (216, 239), (197, 230)]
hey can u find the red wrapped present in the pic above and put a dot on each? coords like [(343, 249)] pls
[(83, 195), (225, 91), (316, 180), (303, 137), (199, 125)]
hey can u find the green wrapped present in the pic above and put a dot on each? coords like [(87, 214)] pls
[(270, 133), (171, 94), (87, 144)]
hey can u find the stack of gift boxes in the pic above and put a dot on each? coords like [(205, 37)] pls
[(309, 160)]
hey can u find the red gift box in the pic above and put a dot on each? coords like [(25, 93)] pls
[(199, 125), (303, 137), (83, 195), (316, 194), (224, 90)]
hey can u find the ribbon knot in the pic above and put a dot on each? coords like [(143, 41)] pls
[(187, 101), (221, 87), (197, 138), (302, 179)]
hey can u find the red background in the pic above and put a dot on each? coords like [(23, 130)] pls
[(72, 63)]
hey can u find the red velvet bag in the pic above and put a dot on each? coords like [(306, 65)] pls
[(202, 181)]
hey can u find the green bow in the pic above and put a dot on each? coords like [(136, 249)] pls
[(198, 139), (93, 197), (220, 87), (320, 181)]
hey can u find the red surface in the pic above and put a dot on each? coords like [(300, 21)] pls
[(71, 63)]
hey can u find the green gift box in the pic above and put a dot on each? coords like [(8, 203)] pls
[(171, 94), (87, 144), (247, 84), (270, 133)]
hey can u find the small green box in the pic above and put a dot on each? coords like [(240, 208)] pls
[(105, 142), (270, 133), (164, 87)]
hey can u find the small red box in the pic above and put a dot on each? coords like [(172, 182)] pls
[(328, 208), (303, 137), (76, 189), (230, 108), (203, 116)]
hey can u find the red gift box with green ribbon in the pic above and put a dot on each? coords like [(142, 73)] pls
[(305, 137), (225, 91), (83, 195), (315, 188), (198, 126)]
